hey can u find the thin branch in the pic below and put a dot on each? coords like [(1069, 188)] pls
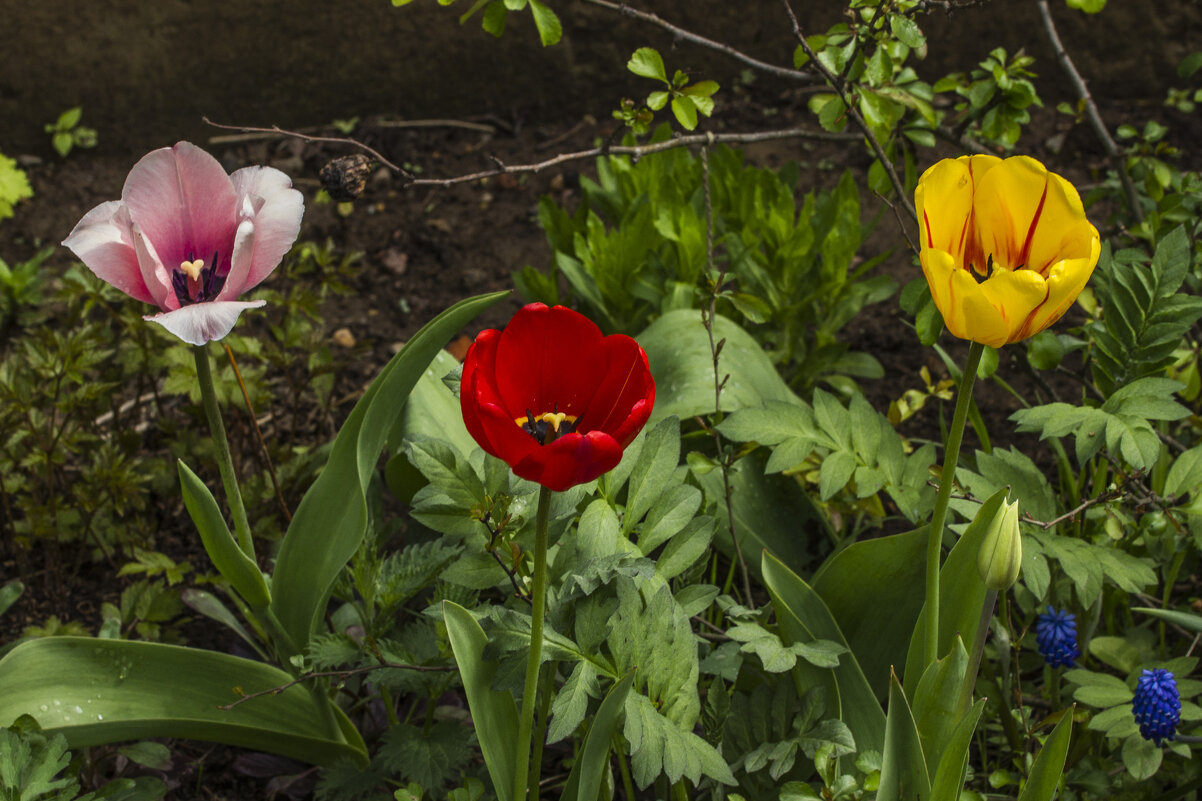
[(1091, 109), (689, 36), (340, 674), (279, 496), (840, 86), (634, 151), (340, 140)]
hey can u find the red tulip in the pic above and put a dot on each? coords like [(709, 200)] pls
[(553, 398)]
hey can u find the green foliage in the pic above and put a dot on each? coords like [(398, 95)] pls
[(996, 97), (496, 13), (14, 186), (21, 290), (687, 100), (635, 249), (67, 134)]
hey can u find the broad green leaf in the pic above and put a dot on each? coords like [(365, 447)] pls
[(1049, 764), (768, 513), (804, 618), (571, 701), (646, 62), (239, 569), (1184, 619), (549, 28), (936, 703), (332, 517), (652, 472), (961, 591), (686, 547), (685, 111), (953, 762), (678, 351), (594, 752), (903, 768), (1141, 757), (866, 577), (103, 691), (494, 713)]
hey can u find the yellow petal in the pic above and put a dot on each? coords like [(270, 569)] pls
[(966, 310), (1010, 204), (1065, 281), (1015, 295), (943, 200)]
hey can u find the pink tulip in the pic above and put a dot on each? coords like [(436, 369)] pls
[(190, 239)]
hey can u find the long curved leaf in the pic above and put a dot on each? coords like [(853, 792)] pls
[(865, 578), (494, 713), (804, 617), (332, 517), (949, 776), (584, 782), (903, 768), (96, 691), (231, 562), (1049, 765)]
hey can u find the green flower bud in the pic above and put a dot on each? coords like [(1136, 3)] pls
[(1001, 552)]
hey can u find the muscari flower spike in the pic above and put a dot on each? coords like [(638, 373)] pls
[(1056, 637), (1157, 705)]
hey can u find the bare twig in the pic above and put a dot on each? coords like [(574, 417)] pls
[(465, 125), (634, 151), (279, 496), (707, 319), (689, 36), (340, 140), (517, 590), (340, 674), (900, 223), (840, 87), (1091, 109)]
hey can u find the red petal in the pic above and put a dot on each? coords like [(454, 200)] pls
[(545, 360), (625, 382), (570, 460)]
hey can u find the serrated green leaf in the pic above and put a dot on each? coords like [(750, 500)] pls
[(646, 62)]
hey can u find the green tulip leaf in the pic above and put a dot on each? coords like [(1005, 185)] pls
[(903, 766), (594, 753), (231, 561), (332, 517), (494, 713), (953, 763), (1049, 765), (961, 593), (96, 691), (803, 617), (866, 577), (936, 703)]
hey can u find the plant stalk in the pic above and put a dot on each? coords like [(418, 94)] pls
[(534, 660), (225, 463), (951, 455)]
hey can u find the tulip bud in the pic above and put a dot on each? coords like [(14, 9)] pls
[(1001, 552)]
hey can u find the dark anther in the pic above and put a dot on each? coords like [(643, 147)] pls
[(543, 431)]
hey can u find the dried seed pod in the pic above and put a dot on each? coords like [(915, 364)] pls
[(346, 176)]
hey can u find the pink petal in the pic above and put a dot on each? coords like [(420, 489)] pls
[(184, 202), (240, 262), (155, 276), (203, 322), (104, 243), (266, 195)]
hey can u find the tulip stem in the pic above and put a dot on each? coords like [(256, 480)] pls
[(951, 455), (221, 447), (534, 660)]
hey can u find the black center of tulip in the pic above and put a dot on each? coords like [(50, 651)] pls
[(195, 283), (549, 426)]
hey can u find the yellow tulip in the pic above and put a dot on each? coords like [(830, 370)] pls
[(1006, 247)]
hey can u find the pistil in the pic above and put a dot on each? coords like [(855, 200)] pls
[(193, 282), (548, 426)]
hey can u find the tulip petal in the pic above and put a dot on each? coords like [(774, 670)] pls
[(277, 208), (1065, 281), (625, 381), (1015, 295), (966, 310), (503, 437), (544, 360), (571, 460), (154, 273), (103, 241), (203, 322), (240, 261), (184, 203)]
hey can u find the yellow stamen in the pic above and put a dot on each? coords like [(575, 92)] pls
[(192, 268), (554, 418)]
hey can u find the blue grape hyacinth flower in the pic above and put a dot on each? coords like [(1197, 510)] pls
[(1056, 637), (1157, 705)]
